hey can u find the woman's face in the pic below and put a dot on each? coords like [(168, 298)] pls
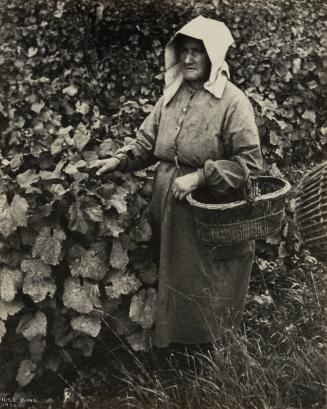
[(194, 60)]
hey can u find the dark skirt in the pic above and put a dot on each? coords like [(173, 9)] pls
[(201, 287)]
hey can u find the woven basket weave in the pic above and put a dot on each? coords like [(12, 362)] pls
[(237, 222), (311, 210)]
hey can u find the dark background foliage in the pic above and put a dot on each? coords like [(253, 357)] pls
[(77, 78)]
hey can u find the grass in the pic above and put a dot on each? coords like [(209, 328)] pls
[(237, 372), (276, 360)]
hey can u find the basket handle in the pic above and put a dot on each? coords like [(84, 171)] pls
[(247, 188)]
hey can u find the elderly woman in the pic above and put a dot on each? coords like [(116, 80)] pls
[(197, 127)]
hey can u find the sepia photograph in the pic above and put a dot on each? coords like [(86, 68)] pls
[(163, 204)]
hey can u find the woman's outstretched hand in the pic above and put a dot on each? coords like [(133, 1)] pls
[(107, 165), (185, 184)]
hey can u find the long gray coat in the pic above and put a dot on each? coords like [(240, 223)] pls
[(199, 285)]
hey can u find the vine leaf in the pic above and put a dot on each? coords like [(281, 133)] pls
[(2, 329), (71, 90), (48, 245), (149, 274), (26, 372), (93, 263), (93, 292), (77, 219), (13, 215), (27, 179), (37, 348), (139, 341), (10, 281), (123, 285), (113, 226), (37, 288), (18, 210), (84, 343), (81, 136), (118, 256), (36, 268), (61, 330), (76, 297), (87, 324), (142, 231), (142, 308), (9, 309), (7, 224), (32, 325), (118, 200)]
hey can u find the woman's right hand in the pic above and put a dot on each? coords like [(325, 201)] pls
[(107, 165)]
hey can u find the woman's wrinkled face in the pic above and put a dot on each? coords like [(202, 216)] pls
[(194, 60)]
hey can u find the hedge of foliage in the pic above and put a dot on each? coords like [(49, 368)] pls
[(77, 78)]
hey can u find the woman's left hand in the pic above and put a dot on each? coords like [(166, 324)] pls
[(185, 184)]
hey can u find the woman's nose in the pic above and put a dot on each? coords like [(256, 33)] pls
[(188, 58)]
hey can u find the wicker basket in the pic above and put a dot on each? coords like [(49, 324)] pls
[(232, 223), (311, 210)]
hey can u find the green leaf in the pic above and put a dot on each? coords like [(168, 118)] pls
[(122, 323), (94, 212), (7, 225), (16, 162), (118, 200), (89, 325), (2, 329), (10, 282), (9, 309), (13, 215), (142, 231), (71, 170), (105, 148), (93, 291), (82, 107), (139, 341), (310, 116), (32, 325), (275, 139), (7, 288), (149, 274), (11, 258), (57, 145), (26, 372), (38, 288), (27, 179), (93, 263), (76, 297), (143, 306), (37, 348), (123, 285), (85, 344), (32, 51), (48, 245), (282, 250), (36, 268), (61, 330), (81, 136), (118, 257), (71, 90), (37, 107), (113, 226), (77, 221)]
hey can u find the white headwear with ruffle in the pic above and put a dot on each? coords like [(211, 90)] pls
[(216, 38)]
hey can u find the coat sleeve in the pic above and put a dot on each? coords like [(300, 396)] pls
[(139, 153), (240, 136)]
